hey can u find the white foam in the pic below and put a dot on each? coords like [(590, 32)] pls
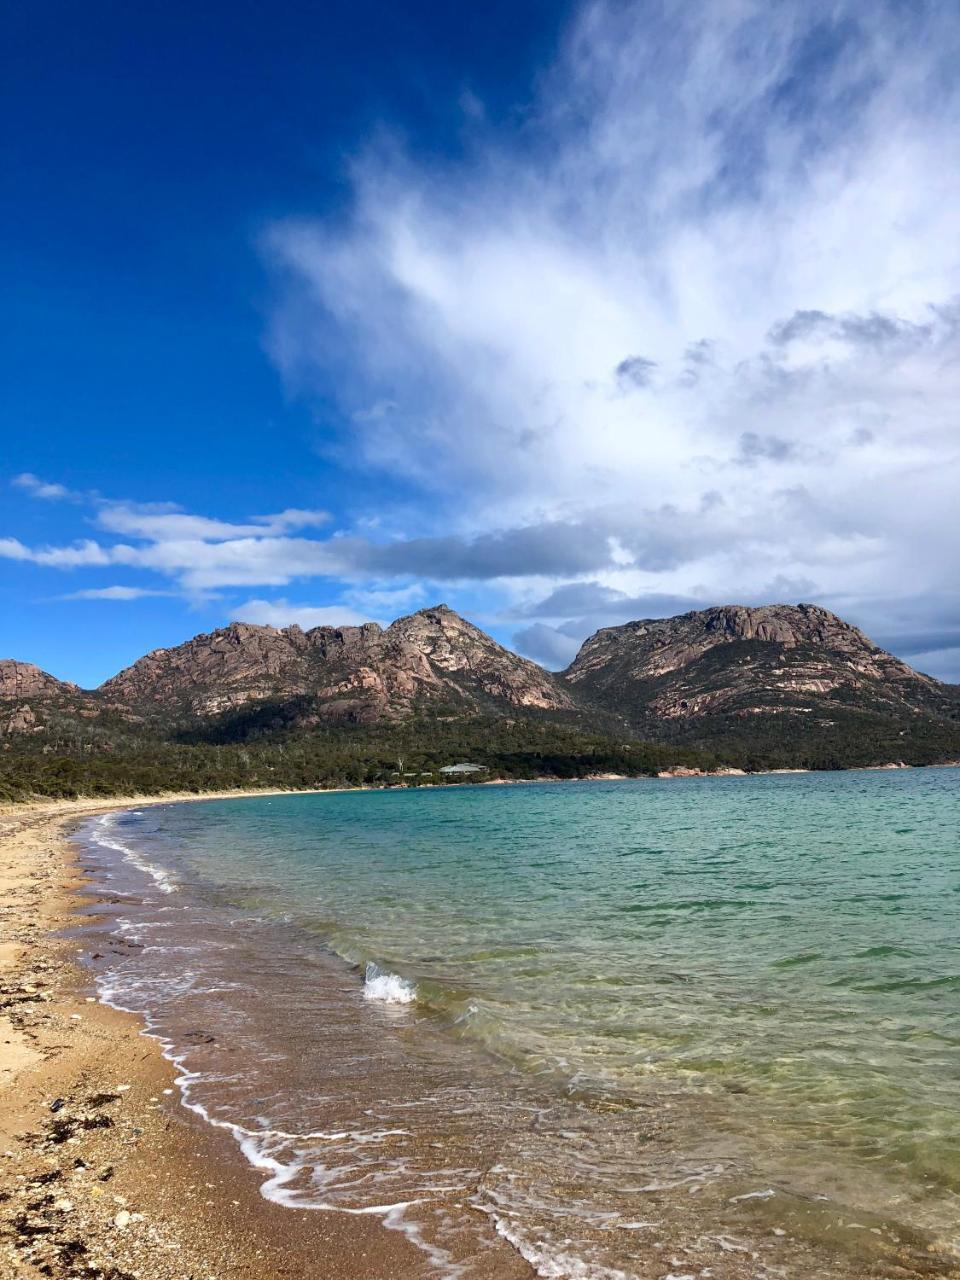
[(554, 1264), (102, 832), (389, 988)]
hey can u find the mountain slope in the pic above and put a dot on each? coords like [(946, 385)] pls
[(731, 672), (758, 687), (433, 658), (31, 697)]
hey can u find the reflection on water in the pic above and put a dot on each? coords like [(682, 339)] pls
[(637, 1028)]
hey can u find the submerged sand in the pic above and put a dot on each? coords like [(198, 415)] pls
[(102, 1172)]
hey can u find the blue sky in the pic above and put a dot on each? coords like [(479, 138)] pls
[(564, 314)]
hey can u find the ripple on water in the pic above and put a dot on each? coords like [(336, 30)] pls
[(596, 1064)]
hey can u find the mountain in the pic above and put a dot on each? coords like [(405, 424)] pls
[(794, 672), (22, 681), (432, 659), (779, 685), (27, 694)]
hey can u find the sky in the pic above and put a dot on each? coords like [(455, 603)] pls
[(563, 314)]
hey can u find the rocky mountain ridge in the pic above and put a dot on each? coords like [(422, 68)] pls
[(360, 674), (22, 680), (774, 673), (734, 661)]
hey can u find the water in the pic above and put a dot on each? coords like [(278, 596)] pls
[(638, 1028)]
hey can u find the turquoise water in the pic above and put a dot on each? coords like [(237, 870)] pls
[(742, 989)]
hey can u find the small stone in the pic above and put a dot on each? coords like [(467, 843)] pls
[(122, 1219), (63, 1206)]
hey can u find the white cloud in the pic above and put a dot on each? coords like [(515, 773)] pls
[(38, 488), (282, 613), (717, 261), (944, 664), (388, 602), (167, 523), (115, 593), (686, 329)]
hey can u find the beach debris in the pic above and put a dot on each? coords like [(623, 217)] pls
[(122, 1219), (101, 1099)]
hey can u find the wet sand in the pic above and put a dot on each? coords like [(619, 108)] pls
[(102, 1172)]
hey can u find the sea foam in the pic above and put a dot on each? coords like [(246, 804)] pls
[(388, 988), (102, 832)]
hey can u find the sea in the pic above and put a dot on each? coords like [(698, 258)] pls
[(653, 1028)]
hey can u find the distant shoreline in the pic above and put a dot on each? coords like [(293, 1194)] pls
[(67, 806)]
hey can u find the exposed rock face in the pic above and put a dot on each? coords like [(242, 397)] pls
[(779, 678), (735, 660), (22, 682), (28, 694), (358, 673)]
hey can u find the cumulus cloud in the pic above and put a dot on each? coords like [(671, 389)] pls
[(942, 664), (715, 258), (166, 523), (686, 330), (596, 600), (547, 645), (635, 371), (283, 613), (575, 610), (202, 553), (756, 448)]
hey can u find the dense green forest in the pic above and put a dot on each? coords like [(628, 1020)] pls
[(408, 755), (269, 746)]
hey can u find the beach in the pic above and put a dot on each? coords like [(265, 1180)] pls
[(521, 1084), (102, 1171)]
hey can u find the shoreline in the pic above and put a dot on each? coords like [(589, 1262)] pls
[(78, 806), (103, 1172)]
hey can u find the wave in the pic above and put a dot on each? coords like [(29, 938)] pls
[(102, 832), (283, 1156), (388, 988)]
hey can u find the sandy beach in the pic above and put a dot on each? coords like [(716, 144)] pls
[(102, 1172)]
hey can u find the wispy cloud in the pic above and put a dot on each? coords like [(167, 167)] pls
[(40, 488), (115, 593), (686, 329), (716, 257), (282, 613)]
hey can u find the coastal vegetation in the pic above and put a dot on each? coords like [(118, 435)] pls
[(250, 750), (412, 754)]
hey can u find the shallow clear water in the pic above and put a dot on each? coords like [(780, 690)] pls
[(702, 1022)]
